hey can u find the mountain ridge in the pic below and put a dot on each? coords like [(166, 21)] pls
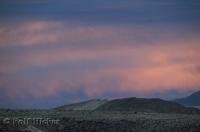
[(153, 105), (83, 105), (146, 105), (191, 100)]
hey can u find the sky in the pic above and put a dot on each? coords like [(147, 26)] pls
[(55, 52)]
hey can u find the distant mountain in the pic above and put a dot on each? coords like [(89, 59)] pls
[(131, 104), (198, 107), (85, 105), (146, 105), (192, 100)]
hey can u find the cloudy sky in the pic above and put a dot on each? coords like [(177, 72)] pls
[(54, 52)]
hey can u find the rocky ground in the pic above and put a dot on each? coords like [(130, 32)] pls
[(93, 121)]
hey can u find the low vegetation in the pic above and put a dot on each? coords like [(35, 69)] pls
[(103, 121), (119, 115)]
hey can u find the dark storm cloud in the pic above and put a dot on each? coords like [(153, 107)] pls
[(105, 11)]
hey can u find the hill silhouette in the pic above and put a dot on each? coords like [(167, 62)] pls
[(146, 105), (192, 100), (85, 105)]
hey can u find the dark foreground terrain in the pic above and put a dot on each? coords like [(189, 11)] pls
[(96, 121), (118, 115)]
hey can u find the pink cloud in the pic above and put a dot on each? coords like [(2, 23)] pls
[(148, 66), (34, 33)]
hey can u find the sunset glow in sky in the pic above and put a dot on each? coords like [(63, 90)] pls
[(54, 52)]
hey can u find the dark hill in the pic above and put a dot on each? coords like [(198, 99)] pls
[(85, 105), (192, 100), (146, 105)]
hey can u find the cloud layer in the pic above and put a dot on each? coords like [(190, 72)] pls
[(52, 51), (43, 59)]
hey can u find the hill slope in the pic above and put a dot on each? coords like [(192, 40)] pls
[(145, 105), (192, 100), (85, 105)]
